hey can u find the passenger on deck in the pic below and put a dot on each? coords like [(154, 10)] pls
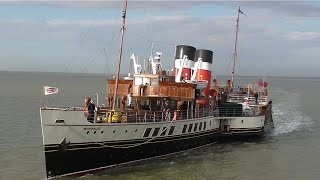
[(256, 97), (91, 111), (86, 105), (89, 108)]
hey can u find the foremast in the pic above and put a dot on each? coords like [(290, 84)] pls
[(235, 47), (124, 13)]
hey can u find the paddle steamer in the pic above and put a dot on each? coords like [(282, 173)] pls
[(152, 113)]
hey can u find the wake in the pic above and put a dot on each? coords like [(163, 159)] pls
[(287, 118)]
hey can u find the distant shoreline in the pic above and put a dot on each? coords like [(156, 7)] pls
[(101, 74)]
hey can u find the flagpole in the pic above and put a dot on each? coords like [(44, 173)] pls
[(235, 48)]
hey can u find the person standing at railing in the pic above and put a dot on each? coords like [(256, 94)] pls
[(256, 95), (91, 111)]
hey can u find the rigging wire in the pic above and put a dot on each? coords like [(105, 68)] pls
[(92, 26), (106, 64), (85, 68)]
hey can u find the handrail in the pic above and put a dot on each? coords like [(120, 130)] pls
[(176, 115)]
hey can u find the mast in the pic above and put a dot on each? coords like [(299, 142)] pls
[(235, 48), (124, 13)]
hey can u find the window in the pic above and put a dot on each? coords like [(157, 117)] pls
[(184, 128), (163, 131), (195, 127), (204, 125), (200, 126), (147, 132), (155, 132), (154, 81), (190, 127), (171, 130)]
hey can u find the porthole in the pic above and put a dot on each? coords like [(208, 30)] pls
[(136, 130), (114, 131), (126, 131), (241, 121), (210, 123), (87, 132), (101, 132), (95, 132)]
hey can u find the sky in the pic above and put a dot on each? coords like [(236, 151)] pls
[(276, 38)]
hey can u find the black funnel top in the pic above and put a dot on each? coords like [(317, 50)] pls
[(206, 55), (182, 50)]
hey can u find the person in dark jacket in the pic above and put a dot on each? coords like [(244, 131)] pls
[(256, 95), (91, 109)]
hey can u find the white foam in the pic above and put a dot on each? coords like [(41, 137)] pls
[(287, 118)]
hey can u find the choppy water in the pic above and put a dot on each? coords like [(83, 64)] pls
[(290, 151)]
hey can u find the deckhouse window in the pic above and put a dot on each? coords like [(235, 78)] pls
[(184, 128), (155, 132), (190, 127), (195, 127), (147, 132), (171, 130), (163, 131), (154, 81)]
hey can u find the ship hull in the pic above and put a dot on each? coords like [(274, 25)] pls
[(86, 158), (73, 146)]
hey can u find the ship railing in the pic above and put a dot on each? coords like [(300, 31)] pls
[(175, 115), (171, 115), (239, 98)]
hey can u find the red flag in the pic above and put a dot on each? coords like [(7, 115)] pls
[(262, 83)]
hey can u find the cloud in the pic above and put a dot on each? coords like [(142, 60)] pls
[(266, 39), (110, 22), (302, 36), (16, 21), (274, 7)]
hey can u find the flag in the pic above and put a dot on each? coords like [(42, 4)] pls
[(50, 90), (242, 13), (262, 83)]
